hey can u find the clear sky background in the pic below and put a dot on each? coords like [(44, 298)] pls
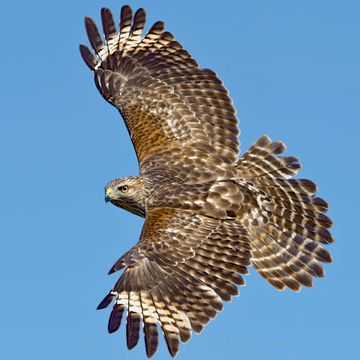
[(292, 69)]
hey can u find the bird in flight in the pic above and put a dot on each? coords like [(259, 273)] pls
[(209, 214)]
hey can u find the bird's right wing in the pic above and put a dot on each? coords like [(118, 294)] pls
[(177, 275), (168, 102)]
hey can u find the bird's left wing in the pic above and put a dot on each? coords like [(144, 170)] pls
[(177, 275), (168, 102)]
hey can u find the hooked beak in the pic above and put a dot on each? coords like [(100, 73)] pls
[(108, 193)]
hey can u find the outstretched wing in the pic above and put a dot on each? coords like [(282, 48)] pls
[(177, 275), (168, 102)]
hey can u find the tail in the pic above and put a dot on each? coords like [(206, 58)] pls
[(286, 250)]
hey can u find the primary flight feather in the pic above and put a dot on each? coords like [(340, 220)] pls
[(208, 213)]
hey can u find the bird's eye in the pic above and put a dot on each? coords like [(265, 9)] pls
[(123, 188)]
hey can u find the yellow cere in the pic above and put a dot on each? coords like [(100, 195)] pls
[(108, 191)]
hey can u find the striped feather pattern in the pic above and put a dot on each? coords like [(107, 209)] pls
[(177, 276), (286, 249), (262, 160), (165, 99), (209, 215)]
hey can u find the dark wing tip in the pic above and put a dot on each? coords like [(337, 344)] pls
[(158, 27), (88, 20), (89, 23), (329, 259), (140, 11), (106, 13), (126, 8), (125, 14), (115, 318), (132, 329), (116, 267), (278, 147), (151, 338), (327, 237), (112, 270), (173, 347), (93, 34), (119, 264), (108, 23), (88, 57), (106, 301), (138, 23)]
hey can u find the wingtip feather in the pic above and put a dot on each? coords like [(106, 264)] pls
[(106, 301), (93, 34), (87, 56), (115, 318)]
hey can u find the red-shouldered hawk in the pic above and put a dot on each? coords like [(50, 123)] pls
[(208, 215)]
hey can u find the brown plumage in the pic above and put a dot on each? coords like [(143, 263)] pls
[(208, 215)]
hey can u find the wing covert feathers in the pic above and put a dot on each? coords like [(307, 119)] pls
[(286, 250), (166, 100), (175, 276)]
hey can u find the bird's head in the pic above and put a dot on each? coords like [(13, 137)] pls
[(127, 193)]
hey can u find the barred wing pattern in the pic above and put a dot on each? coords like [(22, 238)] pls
[(167, 102), (208, 214), (178, 273)]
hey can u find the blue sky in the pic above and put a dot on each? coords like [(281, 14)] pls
[(292, 69)]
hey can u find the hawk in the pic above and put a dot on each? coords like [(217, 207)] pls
[(209, 214)]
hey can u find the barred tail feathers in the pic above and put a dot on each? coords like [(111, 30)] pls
[(286, 250)]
